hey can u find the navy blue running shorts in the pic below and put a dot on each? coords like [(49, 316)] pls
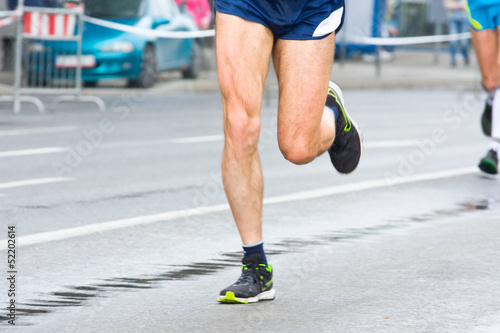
[(289, 19)]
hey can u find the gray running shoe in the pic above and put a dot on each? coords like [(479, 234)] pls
[(255, 283)]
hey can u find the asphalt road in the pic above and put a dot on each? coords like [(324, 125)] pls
[(121, 223)]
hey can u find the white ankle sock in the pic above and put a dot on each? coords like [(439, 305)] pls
[(495, 146)]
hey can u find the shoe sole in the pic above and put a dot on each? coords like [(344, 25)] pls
[(229, 298), (337, 90), (488, 166)]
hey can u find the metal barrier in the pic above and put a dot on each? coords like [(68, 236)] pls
[(42, 67), (49, 58)]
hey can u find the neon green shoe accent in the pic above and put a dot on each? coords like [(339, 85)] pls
[(268, 284), (348, 124), (268, 267), (488, 166), (474, 23), (231, 299)]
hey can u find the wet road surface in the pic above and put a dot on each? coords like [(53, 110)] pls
[(122, 223)]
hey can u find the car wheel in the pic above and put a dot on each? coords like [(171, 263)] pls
[(90, 84), (194, 68), (149, 70)]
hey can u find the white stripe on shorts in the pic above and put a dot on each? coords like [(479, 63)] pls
[(330, 24)]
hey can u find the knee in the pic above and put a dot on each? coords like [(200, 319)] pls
[(298, 150), (241, 131)]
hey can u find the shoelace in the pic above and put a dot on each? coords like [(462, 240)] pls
[(248, 275)]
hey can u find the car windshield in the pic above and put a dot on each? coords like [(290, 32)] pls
[(121, 9)]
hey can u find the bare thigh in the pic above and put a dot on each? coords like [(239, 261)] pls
[(243, 51), (303, 69)]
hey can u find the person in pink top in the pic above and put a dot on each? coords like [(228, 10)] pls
[(200, 10)]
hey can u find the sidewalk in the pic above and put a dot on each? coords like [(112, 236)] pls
[(409, 69)]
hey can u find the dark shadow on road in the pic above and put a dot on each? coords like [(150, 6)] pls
[(80, 295)]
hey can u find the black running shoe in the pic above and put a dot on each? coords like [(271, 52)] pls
[(486, 120), (347, 147), (255, 283), (489, 163)]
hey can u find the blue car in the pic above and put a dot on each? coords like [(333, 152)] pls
[(114, 54)]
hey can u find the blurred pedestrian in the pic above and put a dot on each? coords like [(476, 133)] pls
[(484, 18), (392, 17), (390, 28), (200, 10), (300, 36), (457, 23)]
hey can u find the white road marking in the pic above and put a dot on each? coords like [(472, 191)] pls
[(370, 184), (369, 144), (38, 151), (389, 144), (29, 131), (51, 150), (30, 182), (214, 138), (63, 234), (129, 144), (194, 139)]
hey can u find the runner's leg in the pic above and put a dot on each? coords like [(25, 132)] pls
[(486, 46), (495, 119), (243, 50), (306, 129)]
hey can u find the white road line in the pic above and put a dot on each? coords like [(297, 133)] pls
[(213, 138), (51, 236), (369, 144), (39, 151), (194, 139), (370, 184), (29, 131), (130, 144), (389, 144), (30, 182)]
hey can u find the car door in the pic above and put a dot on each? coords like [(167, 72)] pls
[(165, 19)]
